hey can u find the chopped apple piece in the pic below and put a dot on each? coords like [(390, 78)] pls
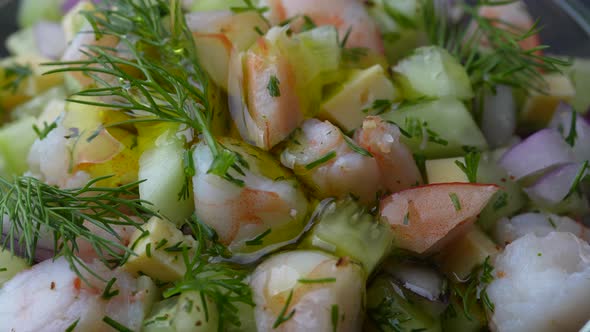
[(425, 219), (348, 106)]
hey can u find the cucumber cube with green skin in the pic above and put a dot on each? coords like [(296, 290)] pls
[(22, 42), (348, 107), (432, 72), (579, 73), (16, 139), (389, 310), (438, 129), (345, 228), (10, 265), (184, 313), (162, 168), (507, 201), (33, 11), (211, 5), (455, 319)]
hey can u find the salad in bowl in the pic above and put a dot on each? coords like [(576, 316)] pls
[(291, 165)]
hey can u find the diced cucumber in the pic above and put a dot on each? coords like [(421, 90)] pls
[(507, 201), (150, 292), (16, 139), (439, 128), (210, 5), (344, 228), (459, 258), (400, 32), (386, 303), (33, 11), (579, 73), (184, 313), (10, 265), (161, 317), (454, 318), (35, 106), (22, 42), (152, 254), (538, 108), (191, 316), (162, 168), (74, 21), (348, 107), (432, 72)]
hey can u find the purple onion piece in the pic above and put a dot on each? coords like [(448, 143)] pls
[(50, 39), (69, 4), (542, 151), (554, 186)]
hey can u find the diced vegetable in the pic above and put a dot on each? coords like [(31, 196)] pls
[(425, 219), (432, 72), (16, 139), (466, 253), (159, 247), (579, 73), (35, 106), (389, 310), (578, 137), (498, 120), (33, 11), (10, 265), (539, 108), (358, 96), (22, 43), (212, 5), (344, 228), (438, 129), (73, 21), (541, 151), (160, 319), (455, 317), (400, 26), (163, 170)]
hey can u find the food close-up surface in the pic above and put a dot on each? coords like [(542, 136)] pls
[(294, 165)]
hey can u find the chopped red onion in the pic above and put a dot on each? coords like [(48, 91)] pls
[(50, 39), (554, 186), (542, 151), (69, 4)]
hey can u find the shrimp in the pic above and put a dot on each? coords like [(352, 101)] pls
[(279, 284), (345, 15), (270, 198), (541, 284), (50, 297), (395, 160), (515, 17), (324, 159), (50, 158), (385, 165), (508, 230)]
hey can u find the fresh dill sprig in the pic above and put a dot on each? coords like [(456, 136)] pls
[(15, 74), (503, 61), (221, 283), (387, 317), (32, 209), (470, 166), (42, 133), (158, 73)]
